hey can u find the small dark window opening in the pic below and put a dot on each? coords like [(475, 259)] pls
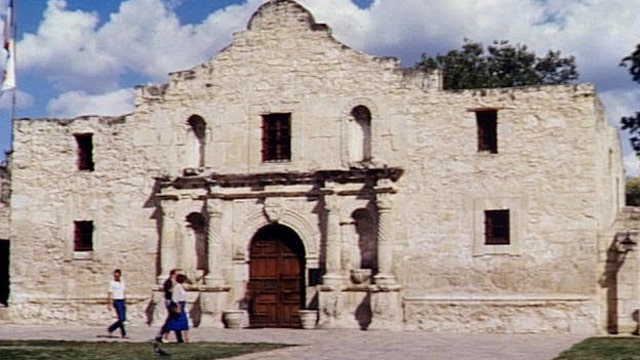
[(276, 137), (487, 121), (85, 152), (83, 240), (496, 227)]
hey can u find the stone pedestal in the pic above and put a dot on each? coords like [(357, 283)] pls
[(386, 308), (331, 303)]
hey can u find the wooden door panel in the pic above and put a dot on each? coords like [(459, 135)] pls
[(275, 271)]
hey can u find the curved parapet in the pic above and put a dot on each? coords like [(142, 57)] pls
[(287, 13)]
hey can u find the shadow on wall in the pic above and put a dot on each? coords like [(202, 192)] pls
[(609, 280), (149, 311), (195, 313), (363, 313)]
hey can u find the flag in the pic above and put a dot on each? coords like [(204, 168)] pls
[(9, 74)]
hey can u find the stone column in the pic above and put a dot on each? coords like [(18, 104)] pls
[(214, 276), (334, 246), (385, 236), (347, 229), (168, 244)]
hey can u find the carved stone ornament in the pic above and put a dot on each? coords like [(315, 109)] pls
[(273, 209)]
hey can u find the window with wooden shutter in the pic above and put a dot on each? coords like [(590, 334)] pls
[(276, 137), (496, 225)]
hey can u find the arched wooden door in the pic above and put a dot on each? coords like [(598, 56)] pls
[(276, 277)]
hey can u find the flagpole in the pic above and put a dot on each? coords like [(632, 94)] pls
[(9, 80), (14, 96)]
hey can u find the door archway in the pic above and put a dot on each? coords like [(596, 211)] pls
[(276, 277)]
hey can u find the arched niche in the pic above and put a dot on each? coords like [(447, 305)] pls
[(197, 134)]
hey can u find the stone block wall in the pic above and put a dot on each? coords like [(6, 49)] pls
[(558, 170), (50, 193)]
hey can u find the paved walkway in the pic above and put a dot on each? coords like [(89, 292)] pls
[(338, 344)]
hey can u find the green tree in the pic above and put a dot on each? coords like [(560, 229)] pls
[(632, 123), (632, 191), (500, 65)]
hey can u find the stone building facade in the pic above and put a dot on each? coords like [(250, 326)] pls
[(291, 172)]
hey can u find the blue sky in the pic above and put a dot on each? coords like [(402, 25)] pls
[(79, 57)]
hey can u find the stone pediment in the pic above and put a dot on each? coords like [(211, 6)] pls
[(284, 14), (282, 38)]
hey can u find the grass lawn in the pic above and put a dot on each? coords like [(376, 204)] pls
[(68, 350), (604, 348)]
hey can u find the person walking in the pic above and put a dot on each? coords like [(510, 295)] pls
[(171, 307), (179, 322), (116, 299)]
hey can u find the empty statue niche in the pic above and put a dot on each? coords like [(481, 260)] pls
[(367, 252), (198, 128), (360, 135), (198, 225)]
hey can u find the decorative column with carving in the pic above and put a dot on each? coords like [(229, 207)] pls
[(385, 234), (168, 244), (386, 305), (214, 243), (334, 245)]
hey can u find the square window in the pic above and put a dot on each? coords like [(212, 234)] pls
[(85, 151), (83, 237), (496, 227), (487, 121), (276, 137)]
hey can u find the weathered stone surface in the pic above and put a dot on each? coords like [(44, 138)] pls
[(5, 192), (558, 170)]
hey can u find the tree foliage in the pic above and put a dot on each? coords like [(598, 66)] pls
[(500, 65), (632, 123), (632, 191)]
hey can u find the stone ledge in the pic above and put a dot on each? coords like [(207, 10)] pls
[(498, 298)]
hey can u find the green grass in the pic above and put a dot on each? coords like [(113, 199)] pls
[(78, 350), (604, 348)]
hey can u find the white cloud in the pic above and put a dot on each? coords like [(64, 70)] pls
[(65, 51), (619, 103), (23, 100), (76, 103), (631, 164)]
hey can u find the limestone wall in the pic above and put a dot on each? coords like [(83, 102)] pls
[(558, 170), (4, 202), (49, 193)]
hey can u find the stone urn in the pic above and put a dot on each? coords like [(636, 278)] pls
[(308, 318), (234, 319), (361, 276)]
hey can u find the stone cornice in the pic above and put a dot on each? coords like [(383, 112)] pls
[(316, 179)]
